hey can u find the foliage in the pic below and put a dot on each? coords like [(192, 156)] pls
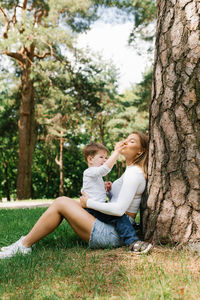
[(40, 36), (145, 16), (46, 172), (75, 94), (133, 110), (8, 143), (97, 117), (142, 92), (121, 115)]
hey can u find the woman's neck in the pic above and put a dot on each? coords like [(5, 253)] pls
[(129, 162)]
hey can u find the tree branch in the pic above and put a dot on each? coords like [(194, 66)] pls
[(4, 14), (41, 13), (24, 5), (14, 19), (49, 45), (58, 162), (43, 55), (34, 17), (22, 58), (7, 23), (18, 56)]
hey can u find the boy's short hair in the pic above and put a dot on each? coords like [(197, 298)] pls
[(92, 149)]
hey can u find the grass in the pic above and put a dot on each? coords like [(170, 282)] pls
[(63, 267)]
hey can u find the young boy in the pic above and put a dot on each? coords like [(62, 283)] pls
[(95, 155)]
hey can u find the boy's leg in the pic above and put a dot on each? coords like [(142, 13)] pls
[(122, 225), (125, 229)]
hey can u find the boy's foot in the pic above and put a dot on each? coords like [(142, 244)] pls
[(15, 248), (140, 247)]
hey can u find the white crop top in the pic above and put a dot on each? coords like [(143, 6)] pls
[(126, 193)]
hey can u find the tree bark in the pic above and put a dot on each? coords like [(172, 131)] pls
[(60, 164), (27, 135), (7, 185), (61, 186), (172, 213)]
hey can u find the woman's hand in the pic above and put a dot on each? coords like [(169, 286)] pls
[(83, 199)]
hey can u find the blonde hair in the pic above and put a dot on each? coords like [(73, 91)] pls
[(141, 160)]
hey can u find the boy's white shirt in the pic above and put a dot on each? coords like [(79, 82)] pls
[(93, 184)]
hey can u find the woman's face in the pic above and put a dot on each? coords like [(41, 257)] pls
[(132, 147)]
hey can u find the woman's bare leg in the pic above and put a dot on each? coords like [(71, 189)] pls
[(79, 219)]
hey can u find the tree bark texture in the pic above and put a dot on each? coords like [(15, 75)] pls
[(172, 212), (61, 186), (60, 164), (27, 135)]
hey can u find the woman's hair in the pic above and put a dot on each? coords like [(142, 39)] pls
[(141, 160), (92, 149)]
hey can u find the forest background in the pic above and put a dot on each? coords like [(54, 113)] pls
[(74, 93)]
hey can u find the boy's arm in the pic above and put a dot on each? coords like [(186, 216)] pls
[(107, 166), (97, 171), (112, 159)]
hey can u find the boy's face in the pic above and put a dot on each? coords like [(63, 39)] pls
[(97, 160)]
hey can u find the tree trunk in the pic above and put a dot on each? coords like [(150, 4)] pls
[(27, 136), (61, 186), (172, 213), (7, 185)]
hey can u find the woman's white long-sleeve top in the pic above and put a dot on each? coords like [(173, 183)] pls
[(125, 194)]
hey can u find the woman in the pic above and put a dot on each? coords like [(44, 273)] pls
[(97, 233)]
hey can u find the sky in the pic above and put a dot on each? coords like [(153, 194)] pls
[(111, 40)]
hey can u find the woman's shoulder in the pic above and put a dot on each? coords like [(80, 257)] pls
[(134, 169)]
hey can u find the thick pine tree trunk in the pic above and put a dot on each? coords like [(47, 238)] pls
[(27, 136), (173, 206)]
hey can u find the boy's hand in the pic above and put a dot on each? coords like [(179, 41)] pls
[(108, 185), (119, 146), (83, 199)]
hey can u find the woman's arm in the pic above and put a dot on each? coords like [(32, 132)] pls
[(131, 182)]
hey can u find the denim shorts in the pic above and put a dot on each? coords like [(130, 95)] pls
[(104, 236)]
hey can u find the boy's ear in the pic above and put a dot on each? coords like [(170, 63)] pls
[(89, 159)]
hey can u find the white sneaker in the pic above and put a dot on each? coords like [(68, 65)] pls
[(15, 248), (11, 245)]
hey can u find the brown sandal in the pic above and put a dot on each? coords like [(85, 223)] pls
[(140, 247)]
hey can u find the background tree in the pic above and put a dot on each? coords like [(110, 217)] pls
[(38, 36), (173, 207), (105, 81), (8, 143), (132, 111), (142, 92), (32, 34)]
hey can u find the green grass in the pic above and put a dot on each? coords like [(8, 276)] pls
[(61, 266)]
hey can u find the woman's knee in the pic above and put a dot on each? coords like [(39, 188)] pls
[(62, 203)]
